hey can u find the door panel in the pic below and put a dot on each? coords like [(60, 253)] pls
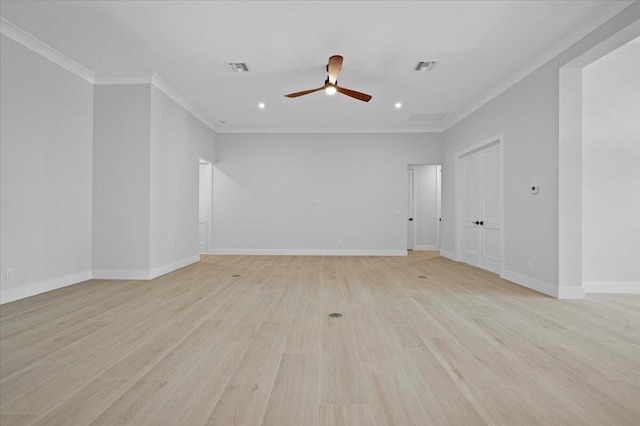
[(491, 211), (410, 212), (471, 205), (204, 208)]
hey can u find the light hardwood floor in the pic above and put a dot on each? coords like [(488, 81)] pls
[(237, 340)]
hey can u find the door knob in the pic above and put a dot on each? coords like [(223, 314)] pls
[(477, 222), (481, 222), (410, 219)]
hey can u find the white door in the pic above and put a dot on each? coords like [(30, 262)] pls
[(491, 210), (410, 222), (438, 202), (204, 208), (481, 208), (471, 208)]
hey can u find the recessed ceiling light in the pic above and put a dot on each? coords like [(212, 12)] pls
[(330, 90), (398, 105), (261, 105)]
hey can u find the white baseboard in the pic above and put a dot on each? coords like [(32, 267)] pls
[(121, 274), (448, 255), (143, 274), (570, 293), (425, 247), (611, 287), (543, 287), (307, 252), (170, 267), (32, 289)]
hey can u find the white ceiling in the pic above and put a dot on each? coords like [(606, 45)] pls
[(286, 44)]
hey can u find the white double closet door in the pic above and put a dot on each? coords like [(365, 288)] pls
[(481, 179)]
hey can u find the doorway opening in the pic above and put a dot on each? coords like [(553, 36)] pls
[(205, 200), (598, 169), (424, 206)]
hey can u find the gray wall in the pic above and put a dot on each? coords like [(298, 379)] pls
[(309, 191), (121, 177), (178, 141), (146, 151), (528, 116), (46, 132)]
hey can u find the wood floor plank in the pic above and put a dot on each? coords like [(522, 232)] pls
[(247, 340), (207, 380), (345, 415), (245, 398), (294, 397), (86, 404), (17, 420), (394, 401)]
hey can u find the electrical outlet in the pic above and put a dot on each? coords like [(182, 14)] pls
[(339, 243), (251, 242), (530, 265), (9, 274)]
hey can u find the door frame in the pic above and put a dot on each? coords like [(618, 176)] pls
[(209, 164), (494, 140)]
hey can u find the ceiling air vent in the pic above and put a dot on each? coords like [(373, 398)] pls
[(426, 66), (239, 67)]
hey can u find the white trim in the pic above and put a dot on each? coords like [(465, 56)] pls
[(128, 78), (166, 88), (222, 128), (570, 293), (307, 252), (39, 47), (632, 287), (449, 255), (159, 83), (578, 32), (173, 266), (543, 287), (120, 274), (143, 274), (421, 247), (11, 294)]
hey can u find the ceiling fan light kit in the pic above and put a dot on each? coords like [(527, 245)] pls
[(331, 83)]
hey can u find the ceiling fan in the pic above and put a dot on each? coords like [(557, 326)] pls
[(331, 83)]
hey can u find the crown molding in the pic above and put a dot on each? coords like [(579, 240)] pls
[(128, 78), (32, 43), (159, 83), (35, 45), (166, 88), (324, 130), (578, 33)]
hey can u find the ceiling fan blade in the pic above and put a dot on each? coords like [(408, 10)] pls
[(304, 92), (357, 95), (335, 65)]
